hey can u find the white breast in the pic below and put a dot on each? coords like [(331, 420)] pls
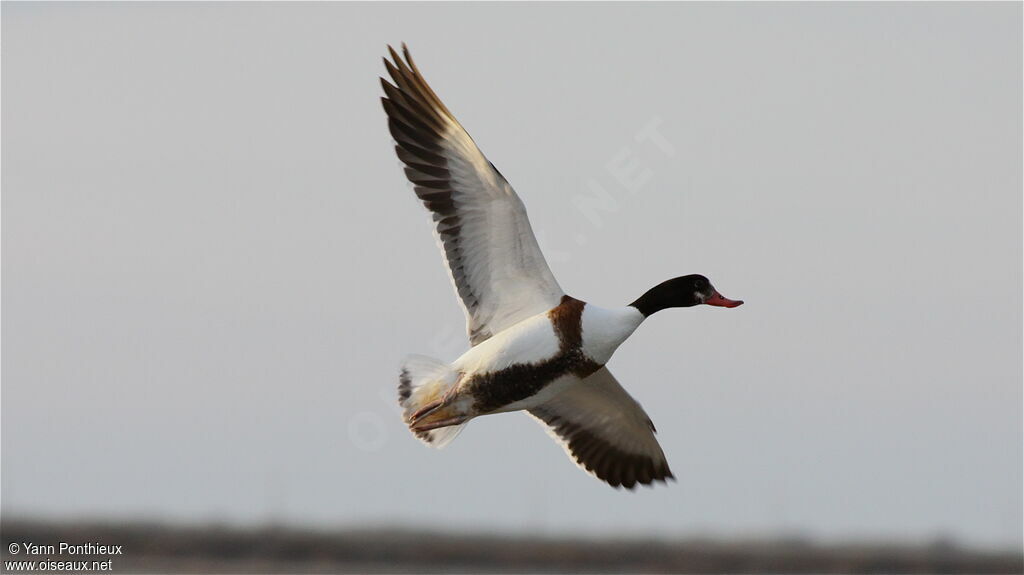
[(605, 329)]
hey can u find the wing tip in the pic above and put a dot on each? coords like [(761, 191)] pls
[(650, 483), (405, 52), (394, 55)]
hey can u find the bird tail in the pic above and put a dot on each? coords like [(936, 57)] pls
[(423, 393)]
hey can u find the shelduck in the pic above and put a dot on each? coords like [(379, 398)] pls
[(533, 348)]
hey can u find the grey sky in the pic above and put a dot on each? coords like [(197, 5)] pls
[(212, 265)]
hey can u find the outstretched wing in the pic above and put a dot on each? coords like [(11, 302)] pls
[(493, 258), (605, 431)]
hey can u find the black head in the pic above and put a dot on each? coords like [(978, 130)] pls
[(685, 291)]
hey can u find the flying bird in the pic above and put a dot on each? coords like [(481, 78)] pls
[(533, 348)]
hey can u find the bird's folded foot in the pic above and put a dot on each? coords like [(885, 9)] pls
[(426, 409), (434, 423)]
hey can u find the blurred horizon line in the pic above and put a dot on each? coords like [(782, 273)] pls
[(221, 548), (779, 536)]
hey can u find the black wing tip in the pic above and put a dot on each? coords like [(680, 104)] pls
[(649, 483), (394, 53), (397, 59), (633, 473), (408, 86), (392, 69)]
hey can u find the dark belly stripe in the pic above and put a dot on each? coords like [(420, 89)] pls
[(519, 381)]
